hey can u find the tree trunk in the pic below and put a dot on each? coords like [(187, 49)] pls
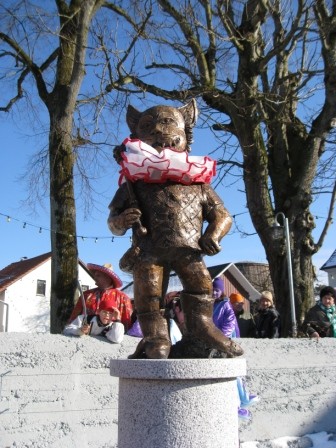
[(64, 261), (303, 282), (292, 199), (75, 20)]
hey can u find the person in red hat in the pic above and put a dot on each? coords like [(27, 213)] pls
[(107, 283), (106, 323)]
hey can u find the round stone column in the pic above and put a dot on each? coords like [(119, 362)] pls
[(178, 403)]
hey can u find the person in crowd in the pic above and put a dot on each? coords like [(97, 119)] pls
[(174, 308), (106, 323), (174, 315), (267, 318), (107, 283), (244, 319), (223, 314), (225, 319), (320, 320), (134, 329)]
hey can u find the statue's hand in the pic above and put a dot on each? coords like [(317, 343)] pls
[(209, 245), (125, 220)]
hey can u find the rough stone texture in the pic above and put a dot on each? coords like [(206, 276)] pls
[(57, 391), (295, 380), (175, 369), (167, 402)]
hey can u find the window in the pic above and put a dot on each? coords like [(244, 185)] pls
[(41, 288)]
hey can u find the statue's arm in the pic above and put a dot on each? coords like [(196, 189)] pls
[(122, 216), (219, 221)]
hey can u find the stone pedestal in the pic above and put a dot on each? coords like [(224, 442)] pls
[(178, 403)]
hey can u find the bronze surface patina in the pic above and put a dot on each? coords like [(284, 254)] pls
[(167, 220)]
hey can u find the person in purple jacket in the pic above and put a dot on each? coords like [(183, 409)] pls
[(223, 315), (225, 319)]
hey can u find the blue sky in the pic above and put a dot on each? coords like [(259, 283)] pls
[(18, 143), (19, 240)]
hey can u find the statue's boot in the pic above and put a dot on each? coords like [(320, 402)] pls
[(198, 311), (156, 342)]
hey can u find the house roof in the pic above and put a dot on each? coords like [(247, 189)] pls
[(15, 271), (330, 263), (215, 271)]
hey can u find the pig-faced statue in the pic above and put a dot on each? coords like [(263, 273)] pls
[(165, 197)]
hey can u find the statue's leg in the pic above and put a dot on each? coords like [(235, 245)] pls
[(198, 322), (147, 293), (197, 304)]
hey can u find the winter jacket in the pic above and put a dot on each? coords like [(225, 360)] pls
[(246, 325), (113, 331), (267, 323), (93, 297), (317, 321), (224, 318)]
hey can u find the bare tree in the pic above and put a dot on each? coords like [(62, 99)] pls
[(265, 72), (49, 50)]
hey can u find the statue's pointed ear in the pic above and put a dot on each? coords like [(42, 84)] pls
[(132, 118), (190, 113)]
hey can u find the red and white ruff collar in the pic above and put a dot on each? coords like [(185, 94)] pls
[(142, 162)]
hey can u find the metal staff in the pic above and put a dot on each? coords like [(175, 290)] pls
[(83, 305), (137, 227)]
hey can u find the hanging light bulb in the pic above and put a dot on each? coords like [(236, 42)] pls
[(24, 225), (83, 239), (96, 239), (112, 240), (40, 231), (8, 218)]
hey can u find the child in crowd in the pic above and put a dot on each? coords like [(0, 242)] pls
[(223, 314), (106, 323)]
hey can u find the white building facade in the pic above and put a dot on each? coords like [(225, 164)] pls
[(25, 303), (330, 267)]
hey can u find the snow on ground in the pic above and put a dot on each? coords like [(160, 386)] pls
[(319, 440)]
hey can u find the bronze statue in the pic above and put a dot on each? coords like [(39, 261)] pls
[(165, 196)]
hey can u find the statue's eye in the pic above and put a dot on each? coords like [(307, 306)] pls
[(168, 121), (145, 122)]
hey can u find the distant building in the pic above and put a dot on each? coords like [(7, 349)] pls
[(25, 293), (330, 267), (257, 276)]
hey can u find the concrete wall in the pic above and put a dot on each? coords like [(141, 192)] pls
[(56, 391)]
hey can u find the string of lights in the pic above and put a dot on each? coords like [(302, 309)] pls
[(41, 228), (85, 237)]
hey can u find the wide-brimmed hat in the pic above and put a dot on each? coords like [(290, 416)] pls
[(106, 269)]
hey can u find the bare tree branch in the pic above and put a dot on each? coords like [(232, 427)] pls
[(329, 220)]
